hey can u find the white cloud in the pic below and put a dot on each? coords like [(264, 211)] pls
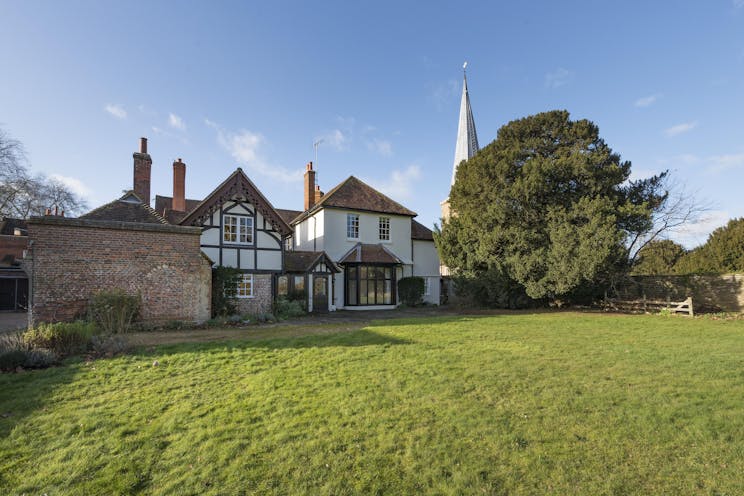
[(696, 233), (681, 128), (383, 147), (738, 4), (681, 159), (176, 122), (400, 184), (559, 77), (116, 110), (646, 101), (73, 184), (722, 162), (245, 147)]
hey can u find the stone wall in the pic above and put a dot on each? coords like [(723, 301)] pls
[(72, 259), (263, 296), (709, 292)]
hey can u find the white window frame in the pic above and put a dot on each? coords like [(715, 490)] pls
[(239, 293), (427, 286), (288, 244), (246, 228), (352, 223), (382, 228)]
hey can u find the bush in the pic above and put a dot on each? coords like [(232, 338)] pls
[(114, 311), (224, 289), (63, 338), (16, 352), (286, 308), (109, 345), (411, 290)]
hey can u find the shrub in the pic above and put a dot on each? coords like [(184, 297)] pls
[(286, 308), (109, 345), (16, 352), (63, 338), (114, 311), (224, 289), (411, 290)]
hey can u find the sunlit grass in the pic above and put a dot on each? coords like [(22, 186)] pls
[(517, 404)]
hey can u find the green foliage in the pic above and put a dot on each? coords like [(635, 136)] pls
[(722, 253), (15, 352), (63, 338), (224, 290), (287, 308), (114, 311), (411, 290), (547, 207), (658, 258)]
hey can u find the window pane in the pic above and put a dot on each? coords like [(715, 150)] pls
[(352, 292), (362, 272), (371, 292), (362, 292), (283, 286), (352, 272), (388, 292), (380, 298), (299, 283)]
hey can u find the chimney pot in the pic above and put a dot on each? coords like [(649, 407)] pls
[(309, 166), (142, 168), (143, 145), (309, 189)]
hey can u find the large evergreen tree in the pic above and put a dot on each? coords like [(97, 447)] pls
[(547, 210), (722, 253), (658, 257)]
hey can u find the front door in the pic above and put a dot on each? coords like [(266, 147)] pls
[(320, 294)]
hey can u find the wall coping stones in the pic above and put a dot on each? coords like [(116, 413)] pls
[(112, 224)]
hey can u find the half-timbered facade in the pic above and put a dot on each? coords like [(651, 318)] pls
[(241, 229)]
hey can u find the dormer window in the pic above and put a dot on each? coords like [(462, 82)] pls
[(237, 229), (384, 228), (352, 226)]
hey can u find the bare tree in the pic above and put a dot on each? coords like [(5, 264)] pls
[(23, 194)]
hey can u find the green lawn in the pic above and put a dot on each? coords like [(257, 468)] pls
[(552, 403)]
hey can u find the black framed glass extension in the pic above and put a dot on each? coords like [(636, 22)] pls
[(369, 285)]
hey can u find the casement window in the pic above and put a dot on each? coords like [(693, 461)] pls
[(288, 243), (370, 285), (237, 229), (427, 286), (245, 286), (384, 228), (352, 226)]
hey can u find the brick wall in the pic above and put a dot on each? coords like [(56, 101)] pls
[(709, 292), (12, 245), (72, 259), (262, 296)]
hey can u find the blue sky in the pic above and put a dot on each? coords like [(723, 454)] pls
[(228, 84)]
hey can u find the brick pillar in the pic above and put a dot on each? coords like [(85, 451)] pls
[(179, 186), (309, 188), (142, 170)]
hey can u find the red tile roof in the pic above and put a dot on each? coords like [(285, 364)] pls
[(370, 254), (421, 232)]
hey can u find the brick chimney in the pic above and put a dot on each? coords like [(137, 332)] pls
[(179, 186), (142, 168), (318, 194), (309, 188)]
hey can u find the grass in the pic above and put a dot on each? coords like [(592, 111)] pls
[(555, 403)]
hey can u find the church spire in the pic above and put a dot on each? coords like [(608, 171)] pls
[(467, 139)]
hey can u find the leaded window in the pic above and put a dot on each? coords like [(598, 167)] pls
[(384, 228), (237, 229), (352, 226)]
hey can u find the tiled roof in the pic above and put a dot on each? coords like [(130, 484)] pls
[(163, 207), (421, 232), (354, 194), (288, 215), (9, 224), (128, 208), (303, 261), (371, 254)]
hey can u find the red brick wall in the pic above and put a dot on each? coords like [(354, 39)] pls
[(72, 259)]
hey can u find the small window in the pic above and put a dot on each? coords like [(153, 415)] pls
[(288, 243), (245, 286), (427, 286), (282, 286), (237, 229), (384, 228), (352, 226), (299, 283)]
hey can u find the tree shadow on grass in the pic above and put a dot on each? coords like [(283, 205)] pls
[(23, 393), (356, 338)]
